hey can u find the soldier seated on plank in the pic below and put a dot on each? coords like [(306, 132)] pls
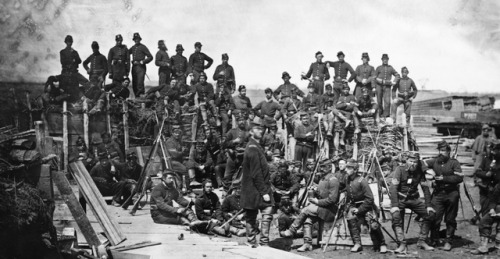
[(200, 166), (230, 207), (367, 108), (208, 208), (283, 183)]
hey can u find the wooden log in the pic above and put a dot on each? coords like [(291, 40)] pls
[(86, 122), (76, 209), (28, 104), (108, 115), (40, 137), (65, 136), (45, 183), (125, 125), (140, 157), (135, 246), (16, 107)]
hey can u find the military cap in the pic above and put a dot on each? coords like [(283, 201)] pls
[(486, 126), (179, 47), (273, 126), (340, 53), (241, 87), (404, 68), (118, 37), (318, 53), (365, 55), (325, 162), (162, 42), (225, 56), (282, 164), (311, 85), (202, 74), (352, 163), (255, 124), (68, 38), (197, 44), (167, 172), (284, 74), (137, 36), (95, 45), (495, 144), (443, 144), (131, 156), (346, 86), (385, 56), (328, 87), (413, 154), (268, 90), (102, 155)]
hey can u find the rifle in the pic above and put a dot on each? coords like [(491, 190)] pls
[(142, 183), (310, 180), (455, 152), (232, 218), (340, 207)]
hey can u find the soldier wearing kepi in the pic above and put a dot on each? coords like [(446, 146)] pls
[(448, 176), (285, 90), (70, 61), (319, 73), (361, 209), (268, 110), (365, 74), (403, 92), (140, 57), (206, 96), (404, 194), (328, 101), (367, 107), (489, 191), (179, 64), (98, 65), (290, 109), (225, 72), (341, 69), (197, 62), (224, 102), (322, 206), (256, 189), (383, 79), (304, 133), (118, 61), (162, 61)]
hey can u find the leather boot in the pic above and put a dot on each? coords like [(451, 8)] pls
[(401, 248), (483, 248), (424, 232), (305, 247), (192, 181), (307, 237), (355, 235), (297, 223), (265, 226), (401, 238)]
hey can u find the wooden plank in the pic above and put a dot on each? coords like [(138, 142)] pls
[(45, 183), (125, 126), (135, 246), (86, 122), (65, 136), (76, 209), (40, 135), (108, 115), (96, 202), (122, 255)]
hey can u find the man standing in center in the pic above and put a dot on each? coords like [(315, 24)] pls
[(319, 72), (226, 73), (383, 79), (197, 62), (256, 189), (341, 69), (140, 57)]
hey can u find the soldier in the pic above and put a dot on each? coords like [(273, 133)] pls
[(365, 74), (70, 61), (341, 69), (322, 207), (132, 169), (289, 213), (208, 208), (367, 107), (406, 93), (140, 57), (383, 77), (179, 64), (312, 99), (162, 207), (162, 61), (224, 103), (197, 62), (304, 133), (108, 179), (242, 104), (328, 101), (283, 183), (176, 151), (319, 72), (341, 175), (290, 110), (230, 207), (54, 94), (268, 110), (256, 189), (206, 96), (119, 88), (489, 191), (118, 61), (225, 72), (98, 65), (95, 97), (404, 194), (112, 148), (201, 165), (448, 176), (286, 89), (361, 210), (480, 145), (269, 141), (235, 141)]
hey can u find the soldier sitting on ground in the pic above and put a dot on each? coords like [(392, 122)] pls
[(230, 207), (283, 183), (288, 214), (208, 208)]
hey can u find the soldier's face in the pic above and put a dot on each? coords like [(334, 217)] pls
[(69, 44), (385, 61), (137, 41), (445, 152), (202, 79), (256, 132), (169, 179), (241, 123), (119, 42), (224, 61), (269, 95), (305, 120), (412, 164), (197, 49), (329, 91), (341, 57), (173, 83), (342, 164), (162, 46), (95, 50), (311, 90), (365, 60), (345, 91), (310, 166), (286, 79), (176, 134), (405, 72), (243, 92), (349, 170), (105, 162), (132, 162), (282, 170), (208, 187), (319, 57)]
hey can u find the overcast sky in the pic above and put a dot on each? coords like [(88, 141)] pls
[(448, 44)]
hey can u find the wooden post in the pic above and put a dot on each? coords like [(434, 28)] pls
[(108, 115), (86, 122), (28, 104), (65, 136), (40, 137), (140, 158), (405, 132), (125, 125), (16, 107)]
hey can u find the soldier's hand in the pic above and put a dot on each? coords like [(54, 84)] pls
[(439, 177), (360, 113), (354, 211), (488, 174), (237, 140), (181, 210), (430, 209), (394, 209), (394, 100), (266, 197)]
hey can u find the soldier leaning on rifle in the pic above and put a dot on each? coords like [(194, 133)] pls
[(322, 207), (140, 57), (404, 194), (224, 102), (256, 189), (200, 166), (383, 79), (242, 104), (225, 73), (341, 69), (208, 208), (360, 209), (197, 62), (98, 65), (489, 195), (365, 74), (118, 61), (367, 107), (231, 206), (284, 91), (328, 101), (304, 134), (162, 208), (448, 176), (268, 110), (162, 61), (403, 92), (290, 108), (283, 183), (317, 74), (206, 96)]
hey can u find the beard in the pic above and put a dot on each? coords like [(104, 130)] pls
[(442, 158)]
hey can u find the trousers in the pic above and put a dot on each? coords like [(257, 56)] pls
[(384, 100), (138, 75), (445, 204), (252, 228)]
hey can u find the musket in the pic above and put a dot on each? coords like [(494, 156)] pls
[(455, 152), (339, 209), (310, 180), (232, 218)]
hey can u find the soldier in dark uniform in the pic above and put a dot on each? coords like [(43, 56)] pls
[(284, 183), (230, 207), (343, 112), (383, 77), (179, 64), (290, 110), (201, 165), (322, 207), (404, 194), (341, 175), (236, 139), (208, 208), (118, 61), (448, 176), (70, 61), (112, 148), (365, 74), (197, 62), (268, 110), (162, 208), (328, 101), (304, 134), (140, 57), (367, 107), (341, 69), (162, 61), (489, 191), (225, 72), (403, 92), (256, 189), (206, 96), (108, 179), (360, 207), (224, 103), (242, 104), (119, 89), (176, 152), (54, 94), (284, 91), (98, 65), (312, 99), (318, 73)]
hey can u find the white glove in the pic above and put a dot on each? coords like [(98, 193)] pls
[(394, 209)]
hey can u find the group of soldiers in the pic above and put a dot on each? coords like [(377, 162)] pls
[(245, 158)]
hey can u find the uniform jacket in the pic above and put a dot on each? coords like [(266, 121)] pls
[(341, 69), (242, 103), (197, 62), (359, 194), (328, 197), (256, 179), (231, 206), (162, 198), (344, 101), (385, 72), (406, 182), (140, 52), (318, 71), (208, 207), (365, 72), (119, 61), (446, 168), (286, 91), (205, 91), (162, 60), (228, 73), (328, 101), (179, 65), (224, 102), (311, 100), (488, 182), (366, 103), (235, 133), (174, 149), (405, 87), (291, 106), (268, 108), (98, 64), (342, 177), (99, 172), (285, 182), (69, 60), (300, 132)]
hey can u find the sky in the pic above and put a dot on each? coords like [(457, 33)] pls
[(451, 45)]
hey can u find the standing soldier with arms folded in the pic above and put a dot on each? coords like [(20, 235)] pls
[(403, 92), (140, 57), (179, 64), (225, 72), (162, 61), (318, 73), (383, 79), (118, 61), (365, 74), (197, 62), (341, 69)]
